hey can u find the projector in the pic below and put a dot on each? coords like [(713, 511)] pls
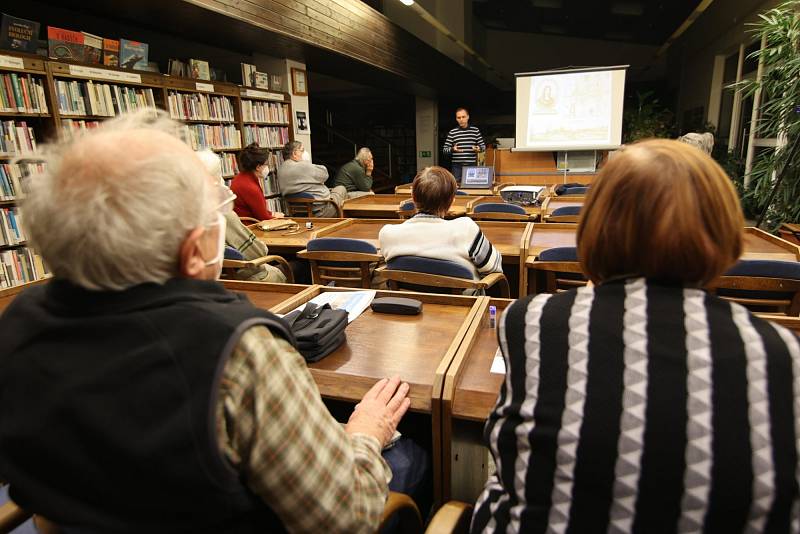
[(524, 195)]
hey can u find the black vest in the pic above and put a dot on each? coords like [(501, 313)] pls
[(108, 407)]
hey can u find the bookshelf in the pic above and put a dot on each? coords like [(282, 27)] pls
[(41, 99)]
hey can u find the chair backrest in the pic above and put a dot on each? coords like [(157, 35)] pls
[(303, 204), (566, 210), (345, 262), (428, 275), (556, 269), (762, 285), (499, 207), (559, 254)]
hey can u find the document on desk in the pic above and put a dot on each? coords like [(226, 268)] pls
[(498, 364), (354, 302)]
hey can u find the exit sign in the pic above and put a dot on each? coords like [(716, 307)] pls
[(424, 153)]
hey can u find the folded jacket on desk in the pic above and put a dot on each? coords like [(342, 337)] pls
[(319, 330)]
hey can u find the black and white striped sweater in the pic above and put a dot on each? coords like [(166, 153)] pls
[(465, 138), (639, 407)]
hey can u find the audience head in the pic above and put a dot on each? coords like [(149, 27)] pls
[(433, 190), (663, 210), (211, 163), (253, 158), (293, 150), (125, 204), (462, 117), (703, 141), (364, 156)]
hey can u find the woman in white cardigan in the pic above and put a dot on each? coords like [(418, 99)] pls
[(429, 235)]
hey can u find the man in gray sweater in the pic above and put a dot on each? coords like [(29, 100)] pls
[(297, 175)]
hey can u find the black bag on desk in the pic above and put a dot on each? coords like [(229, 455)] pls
[(319, 330)]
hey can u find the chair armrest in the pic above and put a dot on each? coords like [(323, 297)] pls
[(404, 507), (283, 265), (12, 516), (493, 278), (452, 518), (337, 206)]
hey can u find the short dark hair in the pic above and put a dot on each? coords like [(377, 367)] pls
[(465, 110), (252, 156), (433, 190)]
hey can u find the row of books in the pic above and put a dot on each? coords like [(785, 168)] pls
[(16, 138), (20, 265), (274, 161), (200, 107), (81, 98), (89, 48), (22, 93), (270, 183), (11, 175), (11, 232), (230, 167), (274, 204), (266, 136), (70, 127), (255, 111), (201, 136)]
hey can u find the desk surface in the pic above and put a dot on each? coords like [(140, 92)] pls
[(553, 203), (758, 244), (387, 206), (406, 190), (286, 240), (268, 296), (383, 345), (363, 229)]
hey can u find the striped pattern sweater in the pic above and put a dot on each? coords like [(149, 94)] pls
[(465, 138), (638, 407)]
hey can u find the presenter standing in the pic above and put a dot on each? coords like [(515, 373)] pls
[(463, 144)]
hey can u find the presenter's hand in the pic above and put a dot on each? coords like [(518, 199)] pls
[(380, 410), (476, 148), (455, 148)]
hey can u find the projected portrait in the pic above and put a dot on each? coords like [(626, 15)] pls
[(546, 99)]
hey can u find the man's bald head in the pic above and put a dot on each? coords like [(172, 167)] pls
[(114, 205)]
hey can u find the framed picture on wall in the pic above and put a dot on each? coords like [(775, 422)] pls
[(299, 84), (301, 125)]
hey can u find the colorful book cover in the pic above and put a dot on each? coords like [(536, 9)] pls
[(199, 69), (92, 48), (18, 34), (64, 44), (111, 52), (132, 54)]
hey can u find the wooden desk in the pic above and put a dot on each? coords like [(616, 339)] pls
[(511, 241), (388, 206), (761, 245), (418, 348), (287, 242), (552, 203), (267, 296), (550, 235), (532, 211), (364, 229), (405, 189)]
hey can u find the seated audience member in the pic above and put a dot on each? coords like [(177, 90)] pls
[(356, 175), (298, 175), (644, 404), (429, 235), (703, 141), (247, 185), (239, 237), (138, 394)]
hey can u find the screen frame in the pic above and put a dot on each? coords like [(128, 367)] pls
[(463, 184)]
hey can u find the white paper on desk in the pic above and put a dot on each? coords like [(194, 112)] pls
[(498, 364), (354, 302)]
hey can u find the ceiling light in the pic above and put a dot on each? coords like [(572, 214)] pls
[(407, 2)]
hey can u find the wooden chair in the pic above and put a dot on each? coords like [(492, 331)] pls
[(564, 214), (425, 273), (346, 262), (499, 211), (302, 205), (12, 516), (555, 270), (762, 285), (234, 261), (452, 518)]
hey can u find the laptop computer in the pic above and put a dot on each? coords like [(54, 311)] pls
[(477, 177)]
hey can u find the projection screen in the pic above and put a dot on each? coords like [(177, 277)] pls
[(574, 109)]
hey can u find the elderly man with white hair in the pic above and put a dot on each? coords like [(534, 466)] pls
[(137, 394), (356, 175)]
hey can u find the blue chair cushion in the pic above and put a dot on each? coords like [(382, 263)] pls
[(340, 244), (298, 195), (559, 254), (766, 269), (408, 205), (460, 192), (430, 266), (576, 191), (567, 210), (499, 207), (232, 254)]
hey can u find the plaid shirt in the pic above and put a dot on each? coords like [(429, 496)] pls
[(275, 430)]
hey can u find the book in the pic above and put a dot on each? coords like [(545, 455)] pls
[(276, 82), (199, 69), (111, 52), (64, 44), (132, 54), (20, 35), (261, 80), (247, 74), (176, 67), (92, 48)]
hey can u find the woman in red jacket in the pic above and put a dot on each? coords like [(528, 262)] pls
[(247, 185)]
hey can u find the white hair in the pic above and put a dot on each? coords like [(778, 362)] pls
[(211, 162), (114, 205), (363, 155), (704, 141)]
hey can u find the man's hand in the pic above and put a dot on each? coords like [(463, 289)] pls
[(380, 410), (455, 148), (476, 148), (370, 166)]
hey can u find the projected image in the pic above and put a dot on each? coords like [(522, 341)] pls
[(570, 108)]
